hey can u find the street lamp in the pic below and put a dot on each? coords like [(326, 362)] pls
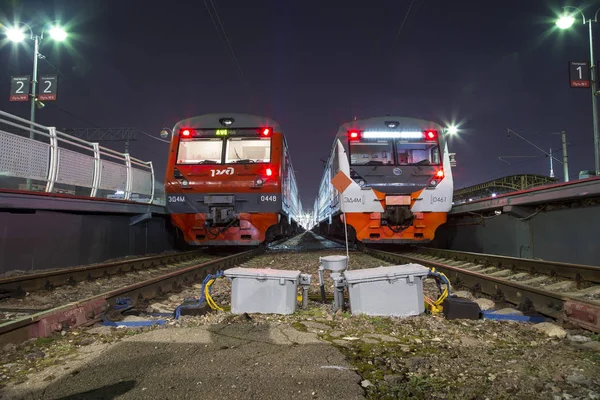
[(15, 34), (452, 129), (565, 22)]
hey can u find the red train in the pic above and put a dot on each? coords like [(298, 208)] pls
[(230, 181)]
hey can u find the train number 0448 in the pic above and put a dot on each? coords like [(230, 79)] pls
[(268, 198)]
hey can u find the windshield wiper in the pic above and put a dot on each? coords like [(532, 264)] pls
[(245, 160), (206, 162), (236, 154), (422, 162)]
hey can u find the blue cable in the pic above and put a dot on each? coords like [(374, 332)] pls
[(512, 317), (439, 277), (201, 299), (124, 303)]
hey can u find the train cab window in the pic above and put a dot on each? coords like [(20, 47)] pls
[(371, 153), (248, 150), (200, 151), (417, 153)]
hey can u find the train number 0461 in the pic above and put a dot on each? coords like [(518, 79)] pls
[(268, 198)]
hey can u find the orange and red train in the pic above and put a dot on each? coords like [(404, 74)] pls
[(230, 181)]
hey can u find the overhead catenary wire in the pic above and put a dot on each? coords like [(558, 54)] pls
[(218, 24), (403, 22)]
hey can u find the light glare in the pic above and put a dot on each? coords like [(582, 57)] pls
[(452, 130), (58, 33), (565, 22), (391, 135), (15, 35)]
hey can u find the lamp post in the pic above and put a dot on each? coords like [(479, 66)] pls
[(565, 22), (16, 35)]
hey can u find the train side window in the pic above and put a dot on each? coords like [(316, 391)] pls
[(200, 151), (435, 155)]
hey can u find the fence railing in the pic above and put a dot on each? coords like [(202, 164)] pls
[(60, 163)]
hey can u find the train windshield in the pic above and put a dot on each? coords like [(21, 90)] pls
[(378, 152), (394, 152), (417, 153), (248, 150), (200, 151)]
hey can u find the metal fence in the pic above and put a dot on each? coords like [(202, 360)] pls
[(54, 162)]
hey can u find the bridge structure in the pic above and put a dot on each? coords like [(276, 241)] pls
[(500, 186)]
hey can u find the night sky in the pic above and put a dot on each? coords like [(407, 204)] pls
[(313, 65)]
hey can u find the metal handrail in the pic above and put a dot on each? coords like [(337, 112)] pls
[(58, 139)]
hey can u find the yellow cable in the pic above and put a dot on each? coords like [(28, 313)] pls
[(209, 299)]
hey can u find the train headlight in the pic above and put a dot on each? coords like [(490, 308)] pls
[(433, 182), (361, 183), (226, 121), (259, 181), (184, 183)]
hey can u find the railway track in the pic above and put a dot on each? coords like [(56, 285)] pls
[(90, 310), (18, 286), (568, 292)]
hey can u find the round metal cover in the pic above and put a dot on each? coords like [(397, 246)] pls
[(397, 171)]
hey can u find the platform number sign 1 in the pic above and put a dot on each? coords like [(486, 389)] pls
[(579, 74), (48, 87), (19, 87)]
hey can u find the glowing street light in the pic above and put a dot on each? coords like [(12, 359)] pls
[(565, 22), (16, 34), (452, 129), (57, 33)]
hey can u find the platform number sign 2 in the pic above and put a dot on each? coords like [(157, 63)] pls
[(19, 88), (579, 74), (48, 87)]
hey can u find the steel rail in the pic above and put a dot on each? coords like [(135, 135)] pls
[(90, 310), (562, 306), (17, 286), (575, 272)]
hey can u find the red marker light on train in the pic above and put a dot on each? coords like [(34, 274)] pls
[(186, 132), (431, 135), (269, 172), (440, 174), (353, 135), (266, 131)]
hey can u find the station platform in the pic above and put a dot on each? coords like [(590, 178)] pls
[(551, 222), (52, 230), (548, 194), (26, 200)]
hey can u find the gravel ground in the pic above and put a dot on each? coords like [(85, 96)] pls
[(421, 357)]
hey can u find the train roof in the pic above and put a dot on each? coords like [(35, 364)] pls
[(381, 123), (240, 120)]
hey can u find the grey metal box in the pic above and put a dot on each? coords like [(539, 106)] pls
[(390, 291), (263, 290)]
